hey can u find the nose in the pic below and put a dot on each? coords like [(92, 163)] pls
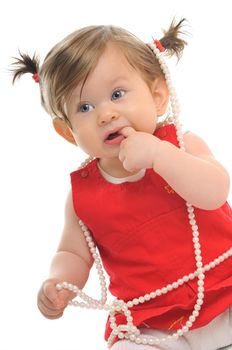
[(107, 115)]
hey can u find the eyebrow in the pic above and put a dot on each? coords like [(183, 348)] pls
[(111, 82)]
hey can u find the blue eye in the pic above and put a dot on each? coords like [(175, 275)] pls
[(117, 94), (85, 107)]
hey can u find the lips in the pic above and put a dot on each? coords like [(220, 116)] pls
[(114, 137)]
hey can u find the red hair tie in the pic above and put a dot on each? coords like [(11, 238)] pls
[(159, 45), (35, 76)]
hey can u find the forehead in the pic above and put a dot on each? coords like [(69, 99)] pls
[(112, 57), (111, 65)]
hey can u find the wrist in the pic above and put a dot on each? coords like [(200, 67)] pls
[(157, 154)]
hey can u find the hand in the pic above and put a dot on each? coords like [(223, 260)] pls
[(52, 302), (138, 150)]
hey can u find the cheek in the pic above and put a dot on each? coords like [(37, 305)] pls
[(147, 119), (81, 140), (79, 136), (86, 140)]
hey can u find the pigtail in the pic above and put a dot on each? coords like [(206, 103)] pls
[(172, 41), (25, 64)]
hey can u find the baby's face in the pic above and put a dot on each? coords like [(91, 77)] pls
[(114, 96)]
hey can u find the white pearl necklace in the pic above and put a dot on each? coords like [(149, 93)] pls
[(129, 330)]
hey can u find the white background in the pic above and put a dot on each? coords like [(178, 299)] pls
[(35, 162)]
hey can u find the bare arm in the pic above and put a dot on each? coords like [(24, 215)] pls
[(71, 263), (195, 174)]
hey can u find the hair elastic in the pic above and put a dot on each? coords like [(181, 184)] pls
[(159, 45), (35, 76)]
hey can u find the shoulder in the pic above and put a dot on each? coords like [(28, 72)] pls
[(73, 239), (70, 214), (195, 145), (88, 166)]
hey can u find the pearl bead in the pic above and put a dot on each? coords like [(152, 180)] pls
[(175, 336), (150, 341), (175, 285), (138, 340), (152, 295), (147, 297), (180, 332), (195, 313), (191, 276), (190, 209), (180, 281), (212, 264), (189, 324), (144, 341), (75, 289), (197, 307), (58, 286), (201, 276)]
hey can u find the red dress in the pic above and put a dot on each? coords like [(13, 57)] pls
[(145, 242)]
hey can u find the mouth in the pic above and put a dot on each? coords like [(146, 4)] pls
[(114, 137)]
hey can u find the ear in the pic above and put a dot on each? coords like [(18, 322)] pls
[(160, 94), (63, 130)]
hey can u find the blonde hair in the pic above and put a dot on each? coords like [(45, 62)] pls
[(69, 63)]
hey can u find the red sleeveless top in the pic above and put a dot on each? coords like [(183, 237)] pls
[(145, 241)]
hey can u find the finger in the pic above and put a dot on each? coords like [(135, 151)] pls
[(64, 297), (59, 299), (121, 156), (45, 305), (51, 292), (127, 167), (127, 131), (48, 310)]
